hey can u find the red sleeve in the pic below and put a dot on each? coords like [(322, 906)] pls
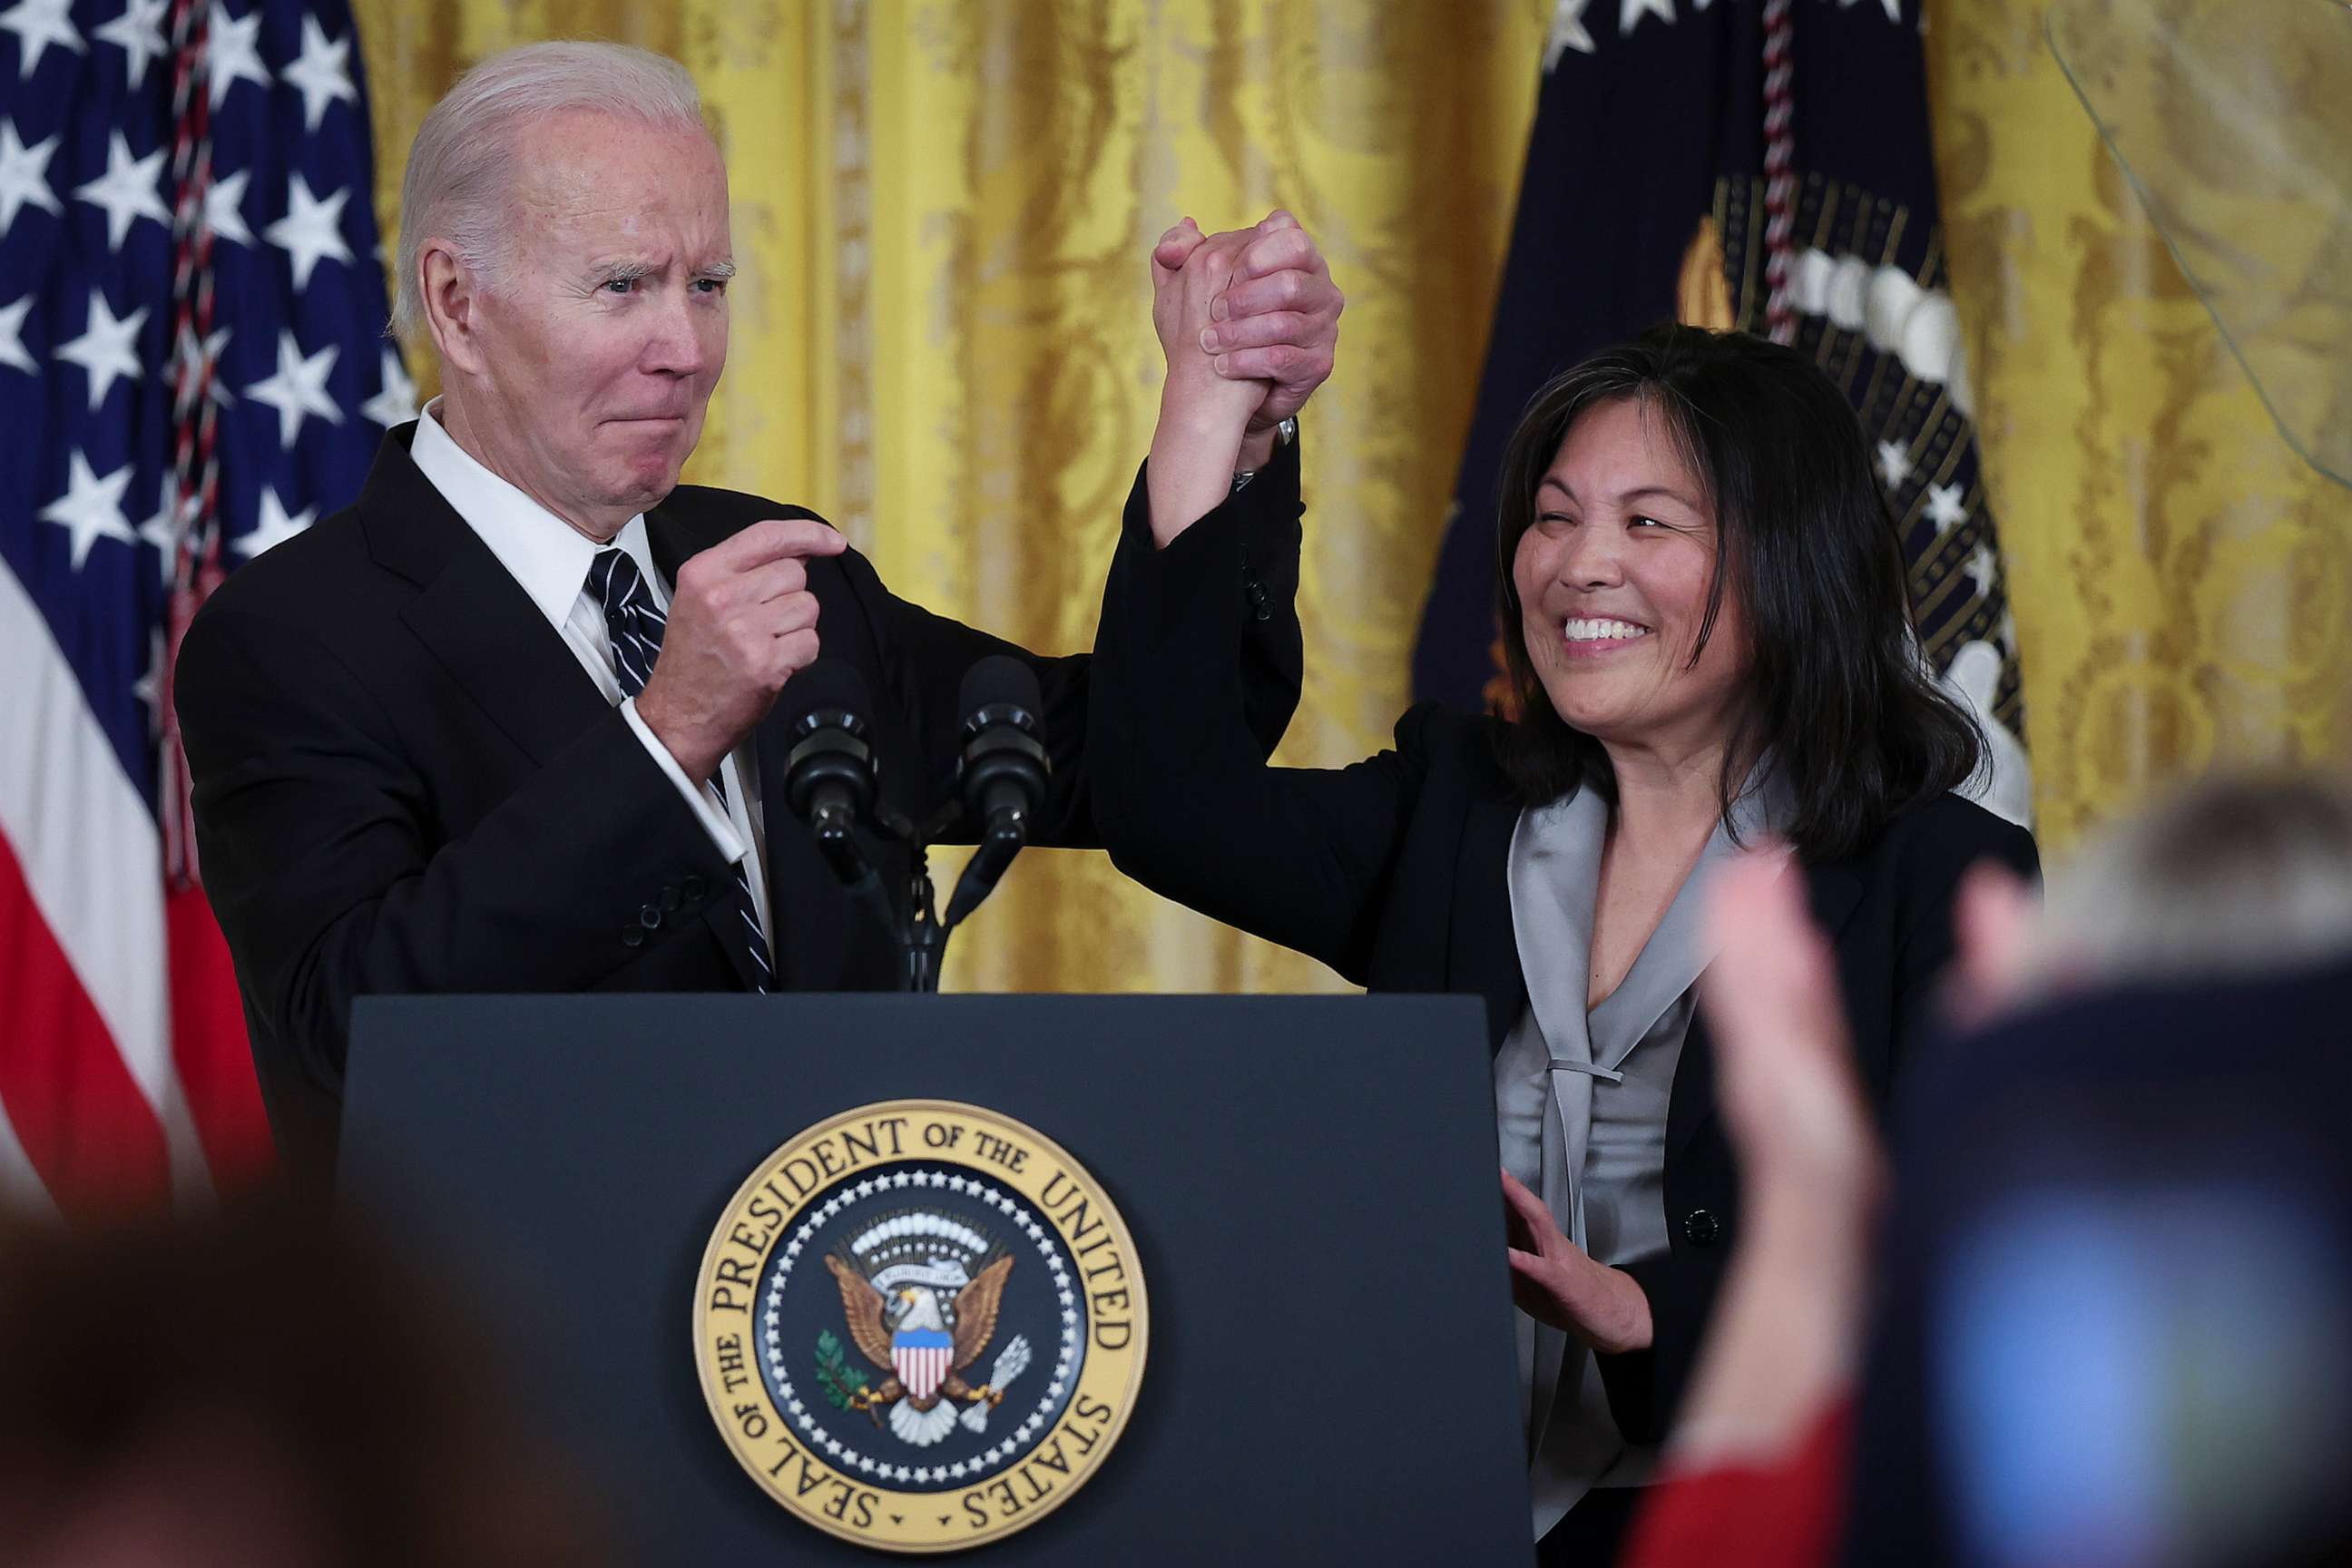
[(1790, 1515)]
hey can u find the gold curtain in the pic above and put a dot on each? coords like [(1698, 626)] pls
[(2179, 574), (941, 333), (941, 340)]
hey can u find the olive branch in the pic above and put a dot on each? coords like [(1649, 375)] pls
[(833, 1373)]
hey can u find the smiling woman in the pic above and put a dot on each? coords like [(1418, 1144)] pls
[(1714, 488), (1703, 610), (1620, 596)]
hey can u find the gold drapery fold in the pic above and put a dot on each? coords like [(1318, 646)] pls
[(2179, 574)]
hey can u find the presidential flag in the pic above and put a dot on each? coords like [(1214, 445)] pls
[(1762, 164), (193, 368)]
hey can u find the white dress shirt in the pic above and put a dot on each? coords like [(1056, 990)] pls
[(550, 560)]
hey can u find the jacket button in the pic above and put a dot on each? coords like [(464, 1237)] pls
[(1701, 1228), (633, 936), (692, 889), (650, 917), (672, 899)]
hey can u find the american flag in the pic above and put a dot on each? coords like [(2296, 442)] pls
[(193, 368)]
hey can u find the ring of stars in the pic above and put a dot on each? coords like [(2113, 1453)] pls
[(1067, 1364)]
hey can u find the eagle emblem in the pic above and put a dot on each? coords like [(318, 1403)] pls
[(920, 1312), (858, 1284)]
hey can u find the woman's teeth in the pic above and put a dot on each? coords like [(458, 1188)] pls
[(1580, 630)]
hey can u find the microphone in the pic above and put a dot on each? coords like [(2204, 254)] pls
[(829, 780), (1001, 776)]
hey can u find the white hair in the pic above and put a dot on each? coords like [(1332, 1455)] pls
[(462, 165)]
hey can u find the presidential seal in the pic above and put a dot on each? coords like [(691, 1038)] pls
[(921, 1325)]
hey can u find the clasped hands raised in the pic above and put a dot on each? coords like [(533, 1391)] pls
[(1249, 322)]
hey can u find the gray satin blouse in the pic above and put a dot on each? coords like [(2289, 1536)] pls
[(1581, 1104)]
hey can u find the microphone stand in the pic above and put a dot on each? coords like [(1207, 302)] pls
[(925, 940), (910, 913), (914, 917)]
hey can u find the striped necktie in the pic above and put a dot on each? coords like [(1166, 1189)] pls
[(635, 624)]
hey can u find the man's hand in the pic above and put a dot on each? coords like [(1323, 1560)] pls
[(742, 623), (1248, 322), (1556, 1281), (1274, 318), (1195, 397)]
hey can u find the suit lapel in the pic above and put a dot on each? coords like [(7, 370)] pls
[(675, 538), (477, 622), (471, 614), (1832, 891), (1481, 953)]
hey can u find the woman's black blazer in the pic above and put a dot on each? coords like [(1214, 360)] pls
[(1394, 872)]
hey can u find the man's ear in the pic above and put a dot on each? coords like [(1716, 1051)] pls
[(452, 298)]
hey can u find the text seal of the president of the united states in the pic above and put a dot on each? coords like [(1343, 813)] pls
[(921, 1325)]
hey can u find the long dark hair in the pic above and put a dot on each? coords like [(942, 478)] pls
[(1836, 692)]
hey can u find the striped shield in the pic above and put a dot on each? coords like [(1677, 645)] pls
[(921, 1357)]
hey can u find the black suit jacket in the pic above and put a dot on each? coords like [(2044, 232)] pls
[(1393, 871), (404, 782)]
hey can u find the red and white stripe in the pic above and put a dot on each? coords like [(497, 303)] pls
[(125, 1080), (1780, 169), (921, 1367), (86, 1086)]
